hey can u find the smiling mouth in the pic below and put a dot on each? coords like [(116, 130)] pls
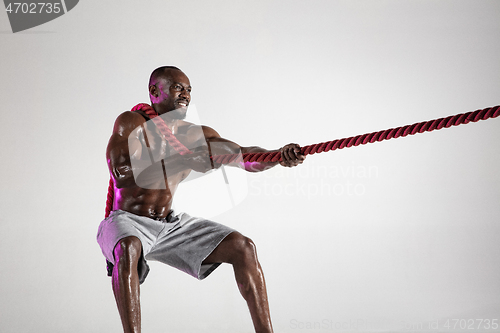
[(182, 104)]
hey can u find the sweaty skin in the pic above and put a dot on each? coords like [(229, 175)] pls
[(170, 94), (156, 203)]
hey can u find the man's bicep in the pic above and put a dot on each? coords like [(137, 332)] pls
[(117, 154), (219, 145), (124, 144)]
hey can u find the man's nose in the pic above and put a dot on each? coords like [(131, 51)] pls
[(185, 93)]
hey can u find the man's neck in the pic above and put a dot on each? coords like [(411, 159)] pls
[(172, 123)]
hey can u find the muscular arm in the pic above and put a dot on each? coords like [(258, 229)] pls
[(290, 154), (118, 152), (138, 156)]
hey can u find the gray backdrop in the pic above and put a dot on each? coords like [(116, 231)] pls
[(394, 236)]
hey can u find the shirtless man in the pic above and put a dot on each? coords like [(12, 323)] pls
[(142, 224)]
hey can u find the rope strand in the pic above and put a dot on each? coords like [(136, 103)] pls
[(167, 134), (393, 133)]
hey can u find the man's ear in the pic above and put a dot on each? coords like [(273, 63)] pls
[(153, 91)]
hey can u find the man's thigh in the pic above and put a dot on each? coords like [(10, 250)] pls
[(187, 246)]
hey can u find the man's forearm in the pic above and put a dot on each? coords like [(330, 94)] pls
[(257, 166), (148, 175)]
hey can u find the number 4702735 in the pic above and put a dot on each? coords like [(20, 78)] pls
[(33, 8), (471, 324)]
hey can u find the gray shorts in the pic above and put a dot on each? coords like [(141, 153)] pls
[(180, 241)]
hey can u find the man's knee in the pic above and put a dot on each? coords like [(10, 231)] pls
[(127, 253), (244, 248)]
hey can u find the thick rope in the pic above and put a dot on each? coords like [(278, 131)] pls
[(165, 131), (393, 133), (167, 134)]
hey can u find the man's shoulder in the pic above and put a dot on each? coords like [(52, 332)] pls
[(131, 117), (188, 127), (196, 132), (209, 132), (128, 121)]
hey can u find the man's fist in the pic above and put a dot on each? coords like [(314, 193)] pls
[(291, 155), (199, 160)]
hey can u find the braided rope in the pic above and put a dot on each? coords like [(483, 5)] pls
[(393, 133), (165, 131), (110, 197), (167, 134)]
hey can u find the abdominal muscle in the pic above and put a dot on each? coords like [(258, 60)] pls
[(152, 203)]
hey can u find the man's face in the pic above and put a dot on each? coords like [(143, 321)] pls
[(173, 94)]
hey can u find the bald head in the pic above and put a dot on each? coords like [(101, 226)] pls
[(161, 73), (169, 89)]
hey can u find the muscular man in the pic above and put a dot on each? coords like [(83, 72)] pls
[(142, 224)]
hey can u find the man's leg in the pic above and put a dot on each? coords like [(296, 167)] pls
[(240, 251), (125, 282)]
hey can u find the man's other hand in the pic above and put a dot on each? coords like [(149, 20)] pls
[(199, 160), (291, 155)]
